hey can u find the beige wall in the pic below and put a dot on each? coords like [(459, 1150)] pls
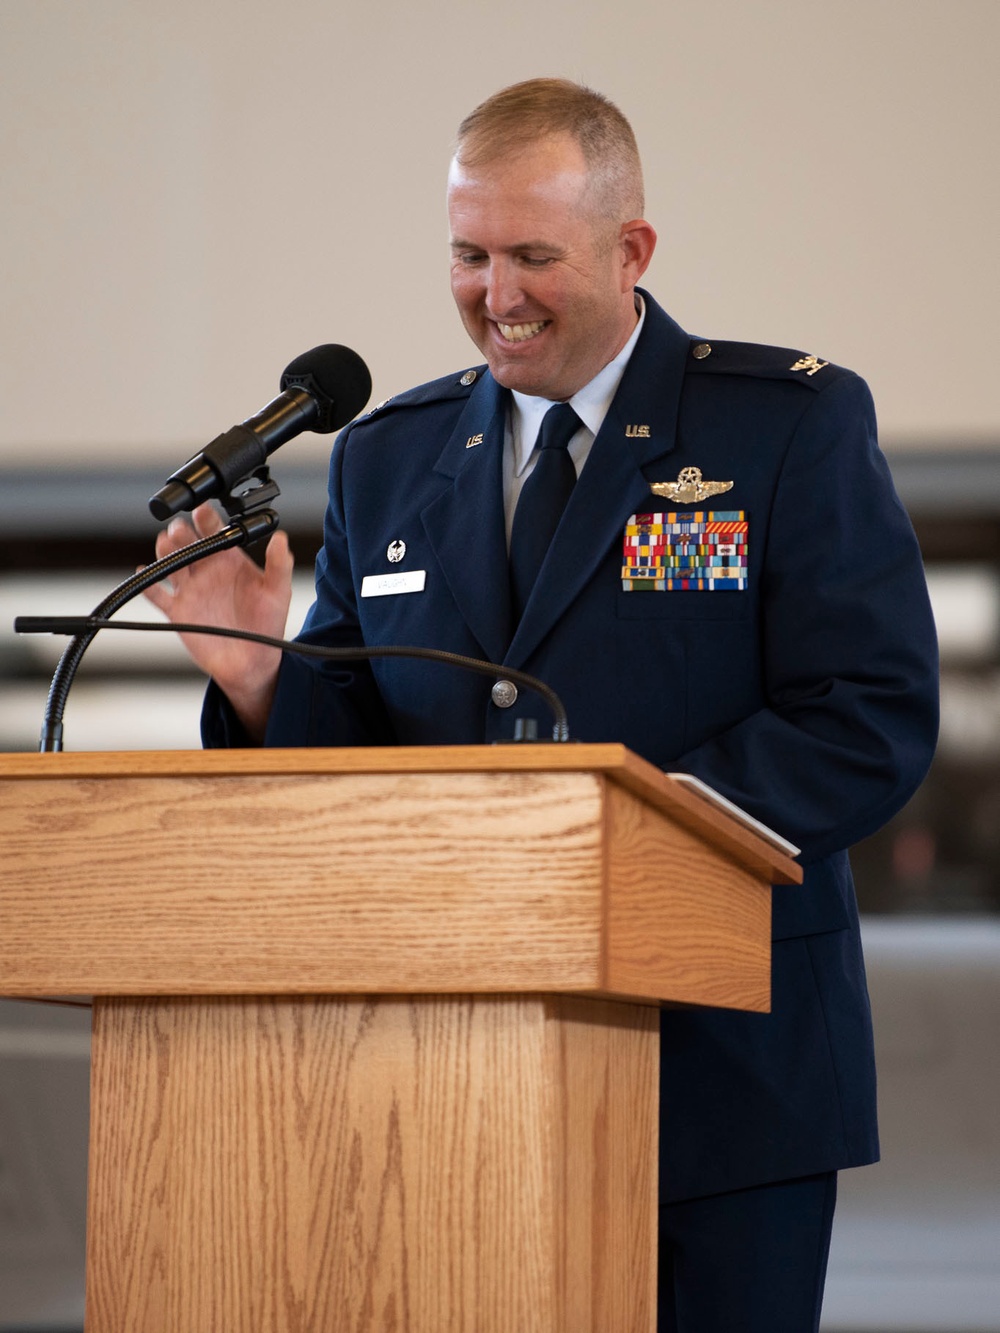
[(192, 193)]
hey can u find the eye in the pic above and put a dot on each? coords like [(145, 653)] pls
[(537, 261), (470, 258)]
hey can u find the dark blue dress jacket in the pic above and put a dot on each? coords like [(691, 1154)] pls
[(809, 697)]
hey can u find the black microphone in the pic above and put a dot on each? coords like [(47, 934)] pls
[(321, 391)]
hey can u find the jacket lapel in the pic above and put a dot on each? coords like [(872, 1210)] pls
[(465, 523), (612, 485)]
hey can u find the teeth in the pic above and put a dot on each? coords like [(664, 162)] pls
[(517, 333)]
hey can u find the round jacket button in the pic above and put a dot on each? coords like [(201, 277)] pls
[(504, 693), (701, 350)]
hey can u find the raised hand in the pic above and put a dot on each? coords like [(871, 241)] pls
[(229, 590)]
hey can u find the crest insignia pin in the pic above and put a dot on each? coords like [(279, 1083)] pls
[(810, 364), (395, 552)]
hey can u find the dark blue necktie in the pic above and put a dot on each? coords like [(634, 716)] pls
[(541, 502)]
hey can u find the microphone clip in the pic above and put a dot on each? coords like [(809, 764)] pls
[(258, 490)]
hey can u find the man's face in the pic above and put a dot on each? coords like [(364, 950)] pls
[(543, 285)]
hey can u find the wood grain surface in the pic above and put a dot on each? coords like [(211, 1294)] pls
[(362, 882), (682, 923), (274, 1149), (369, 881), (435, 1165), (614, 761)]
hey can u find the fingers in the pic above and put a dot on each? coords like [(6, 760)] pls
[(182, 531), (207, 521), (158, 595), (278, 559), (176, 534), (229, 588)]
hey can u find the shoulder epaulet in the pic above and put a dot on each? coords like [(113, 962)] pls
[(761, 361), (447, 387)]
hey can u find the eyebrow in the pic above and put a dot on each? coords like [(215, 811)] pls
[(546, 246)]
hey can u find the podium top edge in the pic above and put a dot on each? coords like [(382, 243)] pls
[(610, 760), (333, 759)]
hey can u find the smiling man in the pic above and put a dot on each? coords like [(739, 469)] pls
[(555, 510), (544, 268)]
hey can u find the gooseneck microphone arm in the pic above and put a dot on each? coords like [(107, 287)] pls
[(85, 627), (321, 390), (241, 532)]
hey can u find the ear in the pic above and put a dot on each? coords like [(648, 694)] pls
[(637, 241)]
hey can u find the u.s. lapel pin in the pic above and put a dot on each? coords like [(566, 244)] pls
[(689, 488)]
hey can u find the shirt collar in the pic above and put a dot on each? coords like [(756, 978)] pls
[(590, 403)]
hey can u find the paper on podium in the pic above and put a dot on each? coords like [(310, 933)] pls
[(708, 793)]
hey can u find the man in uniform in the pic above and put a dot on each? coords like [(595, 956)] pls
[(698, 546)]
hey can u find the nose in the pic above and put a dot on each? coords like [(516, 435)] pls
[(504, 293)]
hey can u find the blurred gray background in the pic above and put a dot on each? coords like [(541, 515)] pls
[(193, 194)]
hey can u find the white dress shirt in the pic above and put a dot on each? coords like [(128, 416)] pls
[(524, 421)]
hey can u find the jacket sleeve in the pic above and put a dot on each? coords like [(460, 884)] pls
[(849, 656)]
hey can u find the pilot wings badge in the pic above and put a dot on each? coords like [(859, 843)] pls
[(689, 488)]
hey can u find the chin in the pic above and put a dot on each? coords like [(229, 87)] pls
[(520, 375), (516, 378)]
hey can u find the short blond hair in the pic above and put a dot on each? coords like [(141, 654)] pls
[(539, 108)]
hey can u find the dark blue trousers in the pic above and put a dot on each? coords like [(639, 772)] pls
[(753, 1261)]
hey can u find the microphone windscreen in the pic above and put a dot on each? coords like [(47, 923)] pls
[(336, 377)]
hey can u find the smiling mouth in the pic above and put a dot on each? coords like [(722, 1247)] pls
[(519, 333)]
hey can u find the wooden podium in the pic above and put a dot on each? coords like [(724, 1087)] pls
[(375, 1032)]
